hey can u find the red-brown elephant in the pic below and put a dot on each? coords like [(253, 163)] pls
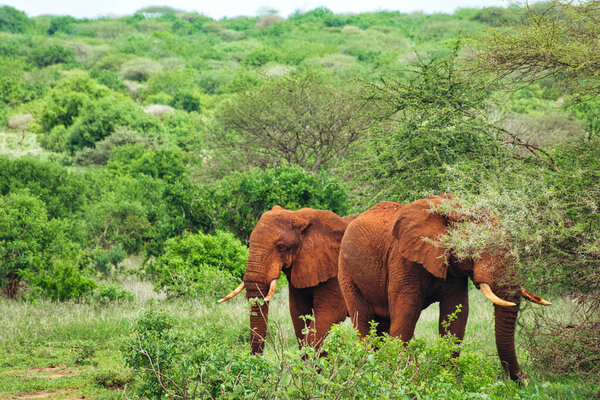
[(388, 273), (305, 244)]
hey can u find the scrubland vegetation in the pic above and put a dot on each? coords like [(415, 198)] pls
[(137, 153)]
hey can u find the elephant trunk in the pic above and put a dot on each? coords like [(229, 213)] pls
[(505, 324), (259, 316)]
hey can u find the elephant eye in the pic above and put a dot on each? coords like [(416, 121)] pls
[(280, 246)]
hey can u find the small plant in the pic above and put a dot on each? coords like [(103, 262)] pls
[(111, 292), (113, 379), (84, 354)]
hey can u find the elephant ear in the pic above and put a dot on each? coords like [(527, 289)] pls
[(414, 224), (317, 257)]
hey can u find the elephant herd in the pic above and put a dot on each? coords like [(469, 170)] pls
[(384, 265)]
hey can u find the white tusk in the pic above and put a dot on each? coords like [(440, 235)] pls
[(487, 292), (534, 298), (231, 295), (271, 290)]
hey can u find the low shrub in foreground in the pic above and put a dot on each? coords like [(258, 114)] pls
[(172, 362)]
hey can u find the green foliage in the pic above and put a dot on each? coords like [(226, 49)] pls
[(99, 120), (13, 20), (556, 38), (36, 250), (62, 192), (164, 164), (65, 101), (301, 118), (429, 122), (172, 361), (110, 293), (104, 260), (62, 24), (109, 79), (259, 57), (14, 89), (199, 264), (243, 197), (44, 56), (186, 101), (64, 281)]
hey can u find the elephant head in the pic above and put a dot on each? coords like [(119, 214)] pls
[(304, 244), (418, 230)]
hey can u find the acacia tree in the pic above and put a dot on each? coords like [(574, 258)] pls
[(300, 118), (559, 40)]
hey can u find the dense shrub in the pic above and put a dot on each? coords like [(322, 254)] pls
[(259, 57), (62, 24), (65, 101), (14, 89), (13, 20), (35, 250), (174, 362), (44, 56), (134, 160), (199, 264), (111, 292), (64, 281), (186, 101), (243, 197), (105, 260), (62, 192), (99, 119)]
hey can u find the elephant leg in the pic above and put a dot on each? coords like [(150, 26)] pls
[(455, 293), (300, 304), (360, 310), (329, 308), (405, 310)]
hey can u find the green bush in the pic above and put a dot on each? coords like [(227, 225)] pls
[(199, 264), (170, 361), (111, 292), (14, 88), (64, 281), (99, 119), (104, 260), (65, 101), (186, 101), (36, 250), (62, 24), (259, 57), (243, 197), (134, 160), (62, 192), (13, 20), (44, 56)]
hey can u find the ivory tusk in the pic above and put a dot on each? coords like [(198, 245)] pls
[(271, 290), (487, 292), (534, 298), (235, 292)]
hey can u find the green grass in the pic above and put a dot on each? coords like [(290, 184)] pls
[(84, 341)]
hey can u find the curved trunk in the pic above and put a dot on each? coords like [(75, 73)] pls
[(505, 319), (259, 316)]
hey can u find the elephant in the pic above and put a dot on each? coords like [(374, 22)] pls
[(305, 245), (391, 268)]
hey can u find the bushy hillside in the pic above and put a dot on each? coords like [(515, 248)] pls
[(162, 137)]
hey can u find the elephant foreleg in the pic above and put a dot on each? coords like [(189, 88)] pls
[(456, 294), (300, 304)]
